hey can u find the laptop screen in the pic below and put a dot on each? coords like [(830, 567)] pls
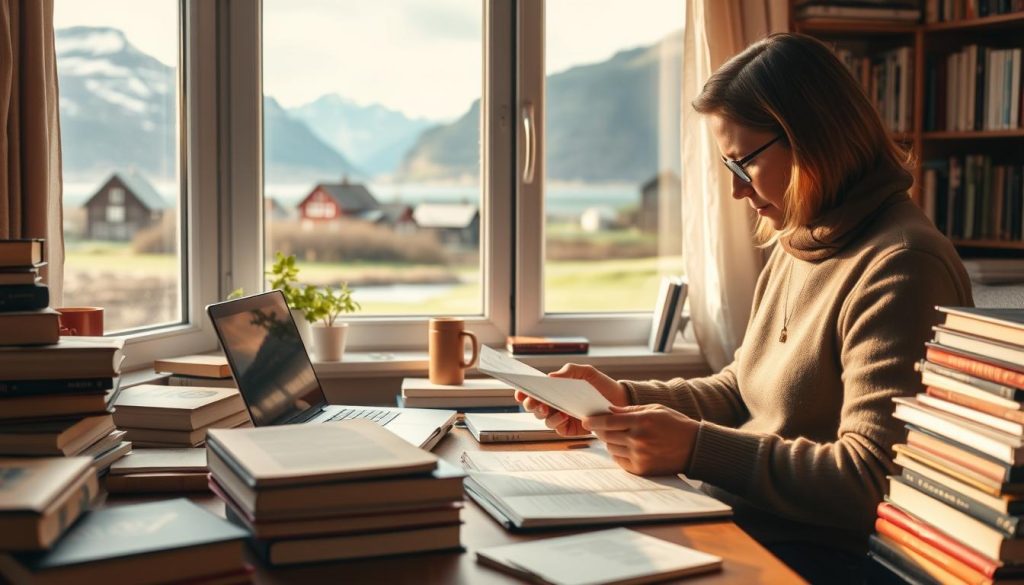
[(267, 357)]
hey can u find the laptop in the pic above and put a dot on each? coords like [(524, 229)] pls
[(277, 380)]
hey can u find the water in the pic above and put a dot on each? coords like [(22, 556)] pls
[(561, 200)]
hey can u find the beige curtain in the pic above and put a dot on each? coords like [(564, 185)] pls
[(721, 261), (30, 162)]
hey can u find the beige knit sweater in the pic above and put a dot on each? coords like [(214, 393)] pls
[(798, 436)]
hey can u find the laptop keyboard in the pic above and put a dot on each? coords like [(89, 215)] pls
[(381, 417)]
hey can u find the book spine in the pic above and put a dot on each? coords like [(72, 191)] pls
[(24, 298), (989, 372), (979, 405), (955, 566), (1008, 525), (994, 388), (944, 543), (32, 387), (898, 563)]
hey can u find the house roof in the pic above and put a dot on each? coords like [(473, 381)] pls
[(143, 190), (664, 176), (444, 215), (351, 197)]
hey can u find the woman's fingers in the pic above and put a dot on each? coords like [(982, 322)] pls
[(538, 408), (613, 437)]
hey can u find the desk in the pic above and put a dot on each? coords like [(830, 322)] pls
[(746, 562)]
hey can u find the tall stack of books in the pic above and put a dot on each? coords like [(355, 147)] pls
[(333, 491), (955, 513), (55, 393), (174, 416), (172, 541), (25, 314), (484, 395)]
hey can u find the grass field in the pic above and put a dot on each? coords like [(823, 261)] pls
[(570, 286)]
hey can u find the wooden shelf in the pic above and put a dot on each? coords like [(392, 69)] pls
[(990, 244), (852, 27), (1009, 20), (973, 134)]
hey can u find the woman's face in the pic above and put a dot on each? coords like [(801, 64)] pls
[(769, 170)]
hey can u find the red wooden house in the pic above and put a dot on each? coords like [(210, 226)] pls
[(332, 201)]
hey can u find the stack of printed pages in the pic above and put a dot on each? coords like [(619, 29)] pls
[(176, 416), (159, 471), (955, 514), (332, 491), (486, 395)]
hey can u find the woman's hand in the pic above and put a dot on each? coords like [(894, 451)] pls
[(651, 439), (562, 423)]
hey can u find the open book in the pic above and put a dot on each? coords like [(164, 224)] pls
[(577, 487), (617, 555)]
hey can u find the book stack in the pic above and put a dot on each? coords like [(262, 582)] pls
[(947, 10), (56, 399), (173, 416), (25, 314), (667, 319), (888, 79), (955, 513), (546, 345), (208, 371), (172, 541), (40, 498), (159, 471), (906, 11), (969, 197), (975, 88), (485, 395), (332, 491)]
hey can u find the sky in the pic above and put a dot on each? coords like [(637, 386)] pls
[(421, 57)]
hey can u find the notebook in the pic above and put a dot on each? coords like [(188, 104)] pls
[(512, 427)]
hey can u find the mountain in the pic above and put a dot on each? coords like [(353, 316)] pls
[(376, 138), (118, 111), (602, 123)]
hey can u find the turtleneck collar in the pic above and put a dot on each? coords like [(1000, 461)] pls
[(834, 229)]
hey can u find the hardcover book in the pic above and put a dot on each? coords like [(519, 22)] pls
[(175, 408), (41, 497), (69, 358), (199, 366), (59, 437), (21, 252), (27, 297), (346, 450), (526, 345), (484, 387), (27, 328), (998, 324), (331, 548), (156, 542), (162, 461)]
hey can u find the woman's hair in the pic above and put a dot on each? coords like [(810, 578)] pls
[(792, 84)]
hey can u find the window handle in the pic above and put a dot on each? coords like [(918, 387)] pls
[(530, 141)]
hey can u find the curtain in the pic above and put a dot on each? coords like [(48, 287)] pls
[(722, 262), (30, 159)]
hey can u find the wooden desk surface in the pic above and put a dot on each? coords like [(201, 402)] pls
[(746, 562)]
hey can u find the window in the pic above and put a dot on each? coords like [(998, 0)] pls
[(118, 68), (371, 149)]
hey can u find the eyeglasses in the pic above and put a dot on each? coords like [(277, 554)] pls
[(736, 166)]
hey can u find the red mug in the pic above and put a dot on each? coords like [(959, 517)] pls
[(81, 321)]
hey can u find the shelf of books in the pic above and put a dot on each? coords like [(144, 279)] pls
[(946, 76)]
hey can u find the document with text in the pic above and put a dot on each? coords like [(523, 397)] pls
[(577, 487)]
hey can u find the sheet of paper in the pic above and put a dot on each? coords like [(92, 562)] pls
[(576, 459), (574, 397), (606, 556)]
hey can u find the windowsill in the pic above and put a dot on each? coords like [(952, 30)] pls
[(414, 363)]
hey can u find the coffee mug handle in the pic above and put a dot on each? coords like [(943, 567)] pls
[(476, 349)]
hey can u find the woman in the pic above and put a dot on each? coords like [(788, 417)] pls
[(796, 433)]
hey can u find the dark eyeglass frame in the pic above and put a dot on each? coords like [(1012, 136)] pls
[(736, 166)]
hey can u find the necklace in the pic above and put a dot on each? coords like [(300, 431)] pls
[(784, 334)]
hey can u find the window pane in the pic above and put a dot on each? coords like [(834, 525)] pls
[(612, 225), (372, 148), (117, 63)]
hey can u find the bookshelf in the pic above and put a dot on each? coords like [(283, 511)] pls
[(930, 140)]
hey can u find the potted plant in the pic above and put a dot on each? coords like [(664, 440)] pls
[(328, 333), (284, 275)]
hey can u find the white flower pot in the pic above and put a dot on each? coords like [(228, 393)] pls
[(329, 341), (303, 327)]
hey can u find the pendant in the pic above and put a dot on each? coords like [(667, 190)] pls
[(782, 336)]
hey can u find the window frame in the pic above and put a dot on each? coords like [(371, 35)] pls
[(617, 328)]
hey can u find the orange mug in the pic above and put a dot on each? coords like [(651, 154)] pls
[(81, 321), (447, 346)]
